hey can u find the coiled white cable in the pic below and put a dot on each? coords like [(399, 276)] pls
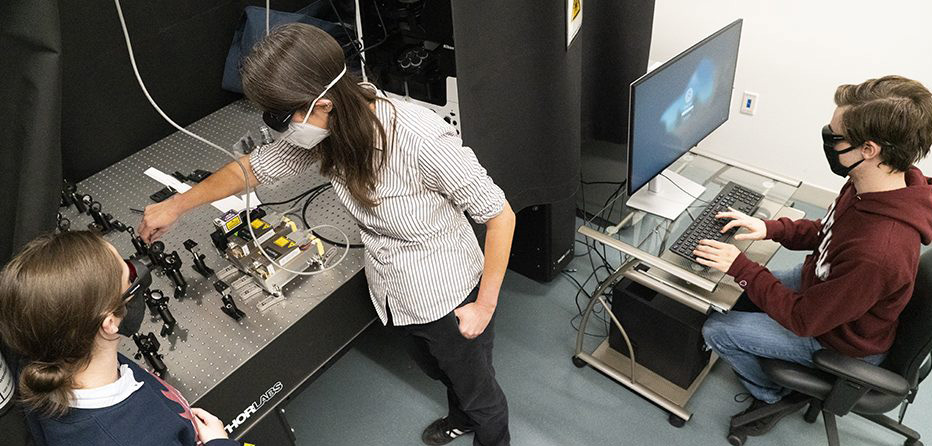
[(142, 85)]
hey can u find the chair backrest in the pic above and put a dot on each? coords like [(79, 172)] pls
[(914, 334)]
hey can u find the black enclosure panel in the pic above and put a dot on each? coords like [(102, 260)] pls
[(180, 46), (519, 95), (617, 38)]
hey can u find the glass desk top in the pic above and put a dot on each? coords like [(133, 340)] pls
[(647, 237)]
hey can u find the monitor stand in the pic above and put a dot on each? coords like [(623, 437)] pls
[(662, 197)]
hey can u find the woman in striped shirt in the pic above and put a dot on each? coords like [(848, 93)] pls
[(406, 177)]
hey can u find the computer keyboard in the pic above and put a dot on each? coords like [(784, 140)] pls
[(707, 227)]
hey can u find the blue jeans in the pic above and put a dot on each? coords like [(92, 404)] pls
[(740, 338)]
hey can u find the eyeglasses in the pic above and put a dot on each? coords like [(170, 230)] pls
[(139, 278), (278, 121), (830, 138)]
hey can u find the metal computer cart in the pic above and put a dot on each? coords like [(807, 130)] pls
[(642, 240)]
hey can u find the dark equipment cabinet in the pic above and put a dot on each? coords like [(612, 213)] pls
[(666, 335), (543, 240)]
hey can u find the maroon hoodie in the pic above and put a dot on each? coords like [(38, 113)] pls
[(860, 275)]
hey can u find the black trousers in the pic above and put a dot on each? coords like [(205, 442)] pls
[(464, 366)]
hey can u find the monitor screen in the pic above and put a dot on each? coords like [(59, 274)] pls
[(678, 104)]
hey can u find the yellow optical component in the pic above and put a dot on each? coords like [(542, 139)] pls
[(233, 223)]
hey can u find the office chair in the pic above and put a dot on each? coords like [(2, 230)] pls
[(839, 384)]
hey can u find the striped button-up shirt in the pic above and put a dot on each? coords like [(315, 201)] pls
[(421, 256)]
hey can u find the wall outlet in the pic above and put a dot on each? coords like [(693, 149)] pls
[(749, 103)]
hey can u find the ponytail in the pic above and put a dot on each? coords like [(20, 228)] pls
[(46, 387)]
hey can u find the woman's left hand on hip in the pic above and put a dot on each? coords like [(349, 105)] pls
[(473, 319)]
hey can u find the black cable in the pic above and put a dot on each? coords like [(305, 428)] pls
[(581, 289), (610, 209), (613, 199), (604, 255), (588, 183), (684, 190), (582, 191), (601, 255), (293, 199), (307, 203), (576, 328), (352, 40), (589, 248), (578, 285), (378, 12), (419, 14), (592, 262), (576, 256), (582, 286), (598, 313)]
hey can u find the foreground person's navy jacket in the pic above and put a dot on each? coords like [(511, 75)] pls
[(155, 414)]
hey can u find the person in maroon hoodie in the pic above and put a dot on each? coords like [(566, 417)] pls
[(848, 294)]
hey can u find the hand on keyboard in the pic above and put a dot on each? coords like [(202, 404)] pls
[(716, 254), (757, 230), (733, 201)]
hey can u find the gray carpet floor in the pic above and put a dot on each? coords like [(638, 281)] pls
[(375, 395)]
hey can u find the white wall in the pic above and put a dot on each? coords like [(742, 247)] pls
[(794, 53)]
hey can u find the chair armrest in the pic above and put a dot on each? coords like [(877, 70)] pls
[(860, 372), (925, 369)]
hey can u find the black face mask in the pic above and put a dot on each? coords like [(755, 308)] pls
[(140, 278), (829, 140)]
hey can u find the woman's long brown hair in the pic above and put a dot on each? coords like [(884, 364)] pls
[(288, 69), (54, 297)]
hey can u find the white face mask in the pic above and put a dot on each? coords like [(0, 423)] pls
[(308, 135)]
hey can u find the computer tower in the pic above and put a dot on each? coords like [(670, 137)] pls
[(543, 240), (666, 335)]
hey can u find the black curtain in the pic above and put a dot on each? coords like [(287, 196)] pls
[(30, 150), (520, 95), (180, 46), (30, 120), (616, 37)]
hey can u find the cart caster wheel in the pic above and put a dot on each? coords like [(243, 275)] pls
[(676, 421), (737, 439), (811, 419), (579, 363), (812, 412)]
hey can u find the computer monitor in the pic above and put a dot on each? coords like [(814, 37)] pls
[(672, 109)]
